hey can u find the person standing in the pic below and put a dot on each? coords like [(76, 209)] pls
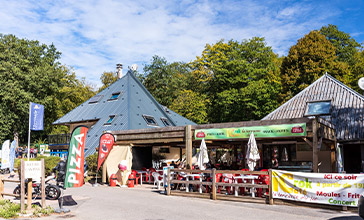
[(35, 152), (20, 151), (61, 171)]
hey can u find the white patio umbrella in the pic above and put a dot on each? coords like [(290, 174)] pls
[(202, 156), (252, 154)]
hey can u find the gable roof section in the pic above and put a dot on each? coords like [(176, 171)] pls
[(133, 102), (347, 107)]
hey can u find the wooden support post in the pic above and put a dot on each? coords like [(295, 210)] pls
[(29, 194), (43, 184), (168, 181), (333, 158), (1, 187), (180, 154), (188, 143), (270, 187), (314, 146), (213, 187), (104, 173), (22, 186)]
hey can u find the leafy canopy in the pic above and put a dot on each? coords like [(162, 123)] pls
[(30, 72)]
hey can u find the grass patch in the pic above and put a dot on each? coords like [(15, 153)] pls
[(9, 209)]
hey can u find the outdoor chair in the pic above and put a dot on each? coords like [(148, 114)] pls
[(228, 178), (151, 171), (158, 179), (263, 179), (218, 179), (137, 176), (147, 174)]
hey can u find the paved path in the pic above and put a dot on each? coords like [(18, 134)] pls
[(105, 202)]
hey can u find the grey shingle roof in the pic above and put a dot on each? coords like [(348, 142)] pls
[(347, 107), (133, 102)]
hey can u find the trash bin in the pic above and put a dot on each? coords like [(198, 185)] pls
[(361, 207), (131, 179), (113, 180)]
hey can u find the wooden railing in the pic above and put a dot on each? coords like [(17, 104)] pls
[(2, 193), (214, 183)]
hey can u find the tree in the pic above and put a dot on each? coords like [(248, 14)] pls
[(346, 46), (242, 79), (357, 71), (107, 78), (309, 59), (71, 93), (30, 72), (191, 105), (165, 80)]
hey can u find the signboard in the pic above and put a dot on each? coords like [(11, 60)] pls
[(106, 144), (5, 155), (76, 156), (36, 116), (284, 130), (43, 149), (324, 188), (33, 169)]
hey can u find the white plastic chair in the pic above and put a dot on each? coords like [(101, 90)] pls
[(156, 177)]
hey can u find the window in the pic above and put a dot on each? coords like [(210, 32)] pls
[(318, 108), (95, 99), (165, 122), (114, 96), (150, 120), (111, 118), (164, 150)]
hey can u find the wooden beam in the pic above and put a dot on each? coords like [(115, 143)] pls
[(22, 186), (213, 184), (333, 158), (314, 146), (270, 187), (188, 142), (252, 123), (308, 141), (151, 141)]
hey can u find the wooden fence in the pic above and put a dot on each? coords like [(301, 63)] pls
[(215, 184), (2, 182)]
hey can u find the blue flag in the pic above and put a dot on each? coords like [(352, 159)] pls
[(12, 155), (36, 116)]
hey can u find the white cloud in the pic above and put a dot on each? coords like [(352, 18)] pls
[(95, 35)]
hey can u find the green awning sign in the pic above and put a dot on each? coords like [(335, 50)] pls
[(268, 131)]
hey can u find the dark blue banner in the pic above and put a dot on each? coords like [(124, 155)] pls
[(36, 116)]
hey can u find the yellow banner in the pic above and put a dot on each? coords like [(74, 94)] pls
[(324, 188)]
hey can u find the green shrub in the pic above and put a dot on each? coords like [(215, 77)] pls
[(91, 162), (39, 211), (8, 209), (49, 162)]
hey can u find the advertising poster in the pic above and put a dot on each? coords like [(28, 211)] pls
[(324, 188), (36, 116), (106, 143), (284, 130), (75, 161), (5, 155)]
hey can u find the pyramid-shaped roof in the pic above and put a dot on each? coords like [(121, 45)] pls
[(347, 107), (131, 105)]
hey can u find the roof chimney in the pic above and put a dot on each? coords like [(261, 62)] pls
[(119, 70)]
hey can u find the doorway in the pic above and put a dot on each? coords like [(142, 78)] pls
[(352, 158)]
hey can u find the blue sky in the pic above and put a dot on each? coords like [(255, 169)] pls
[(94, 36)]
